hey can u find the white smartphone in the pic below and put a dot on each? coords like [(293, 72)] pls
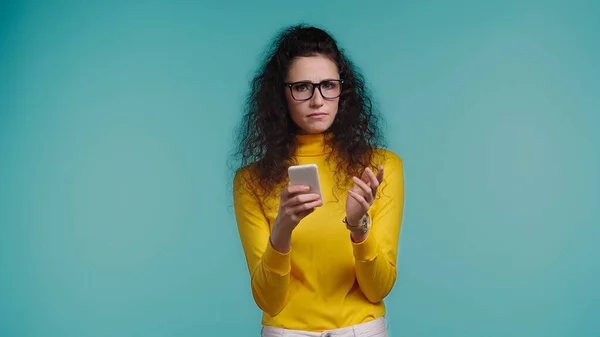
[(307, 174)]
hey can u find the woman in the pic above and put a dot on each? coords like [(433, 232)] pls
[(320, 265)]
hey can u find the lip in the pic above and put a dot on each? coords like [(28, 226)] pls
[(317, 115)]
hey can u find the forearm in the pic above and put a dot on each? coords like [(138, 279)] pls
[(375, 273), (375, 252), (271, 277), (281, 239)]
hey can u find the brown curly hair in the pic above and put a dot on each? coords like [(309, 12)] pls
[(267, 135)]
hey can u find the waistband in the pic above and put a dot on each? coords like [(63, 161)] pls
[(370, 328)]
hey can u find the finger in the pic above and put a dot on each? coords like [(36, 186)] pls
[(365, 175), (308, 206), (302, 215), (364, 189), (359, 198), (302, 199), (295, 189), (374, 183), (380, 174)]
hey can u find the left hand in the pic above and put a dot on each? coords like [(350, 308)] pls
[(361, 196)]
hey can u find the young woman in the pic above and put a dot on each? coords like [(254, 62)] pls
[(320, 265)]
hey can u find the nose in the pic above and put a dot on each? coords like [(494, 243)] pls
[(317, 99)]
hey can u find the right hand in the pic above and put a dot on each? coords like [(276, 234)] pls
[(295, 203)]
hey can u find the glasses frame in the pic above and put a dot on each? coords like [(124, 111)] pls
[(315, 85)]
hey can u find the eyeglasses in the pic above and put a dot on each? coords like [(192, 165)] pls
[(304, 90)]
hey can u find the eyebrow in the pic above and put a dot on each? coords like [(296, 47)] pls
[(308, 81)]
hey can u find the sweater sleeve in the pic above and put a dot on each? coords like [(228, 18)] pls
[(375, 257), (269, 269)]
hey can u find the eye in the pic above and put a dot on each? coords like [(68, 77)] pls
[(330, 84), (300, 87)]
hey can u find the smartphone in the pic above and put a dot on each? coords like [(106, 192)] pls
[(307, 174)]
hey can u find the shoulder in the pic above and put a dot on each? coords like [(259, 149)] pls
[(241, 174), (245, 172), (393, 174), (388, 158), (243, 179), (246, 181)]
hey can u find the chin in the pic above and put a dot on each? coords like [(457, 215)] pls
[(313, 129)]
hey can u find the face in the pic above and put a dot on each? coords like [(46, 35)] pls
[(316, 114)]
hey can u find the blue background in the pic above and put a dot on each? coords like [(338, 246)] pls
[(116, 124)]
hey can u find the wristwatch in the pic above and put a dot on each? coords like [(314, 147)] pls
[(363, 225)]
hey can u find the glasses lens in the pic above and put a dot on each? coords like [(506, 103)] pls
[(331, 89), (302, 91)]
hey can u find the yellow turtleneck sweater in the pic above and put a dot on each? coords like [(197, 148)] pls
[(325, 281)]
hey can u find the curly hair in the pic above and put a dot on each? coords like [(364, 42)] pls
[(267, 135)]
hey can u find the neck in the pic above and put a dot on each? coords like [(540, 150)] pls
[(311, 145)]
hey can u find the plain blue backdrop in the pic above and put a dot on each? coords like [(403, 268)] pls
[(116, 125)]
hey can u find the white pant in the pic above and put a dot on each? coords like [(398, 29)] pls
[(376, 328)]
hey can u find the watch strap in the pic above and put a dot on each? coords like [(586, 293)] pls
[(363, 224)]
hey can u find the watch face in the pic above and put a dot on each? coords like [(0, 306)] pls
[(363, 225)]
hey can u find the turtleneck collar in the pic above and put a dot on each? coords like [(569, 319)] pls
[(310, 145)]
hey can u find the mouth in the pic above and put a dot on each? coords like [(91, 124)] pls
[(317, 115)]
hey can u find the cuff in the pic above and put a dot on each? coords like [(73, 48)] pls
[(365, 250), (277, 262)]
